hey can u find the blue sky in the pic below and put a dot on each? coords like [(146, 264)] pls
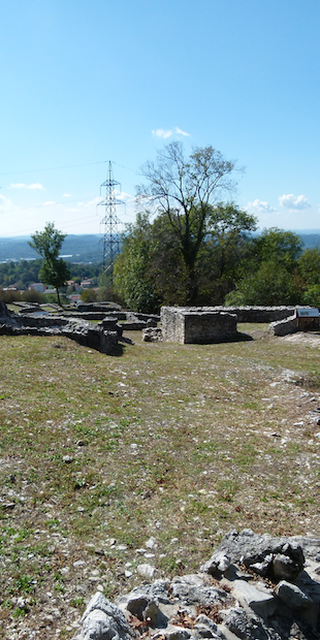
[(88, 81)]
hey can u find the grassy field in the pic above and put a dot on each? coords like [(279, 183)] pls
[(177, 443)]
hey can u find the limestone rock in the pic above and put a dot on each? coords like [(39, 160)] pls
[(292, 595), (101, 620), (146, 570), (279, 558), (190, 589), (246, 625)]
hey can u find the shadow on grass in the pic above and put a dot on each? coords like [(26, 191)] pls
[(239, 337)]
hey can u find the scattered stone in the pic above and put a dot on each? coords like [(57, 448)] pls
[(176, 633), (146, 570), (68, 459), (151, 543), (152, 334), (7, 506)]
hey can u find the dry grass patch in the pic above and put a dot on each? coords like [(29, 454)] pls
[(173, 442)]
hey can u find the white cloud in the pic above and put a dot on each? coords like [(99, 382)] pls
[(21, 185), (167, 133), (259, 206), (161, 133), (182, 133), (66, 195), (48, 203), (291, 201)]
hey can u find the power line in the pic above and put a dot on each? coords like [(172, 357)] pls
[(67, 166)]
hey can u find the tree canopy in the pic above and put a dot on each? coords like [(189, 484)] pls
[(54, 270), (151, 271), (270, 274), (184, 190)]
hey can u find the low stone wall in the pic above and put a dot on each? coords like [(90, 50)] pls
[(284, 327), (197, 325), (258, 314), (103, 337)]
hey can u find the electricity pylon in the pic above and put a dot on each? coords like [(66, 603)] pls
[(111, 235)]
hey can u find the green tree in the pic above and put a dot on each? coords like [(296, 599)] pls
[(151, 271), (184, 189), (278, 246), (269, 273), (309, 266), (309, 270), (54, 270), (131, 276), (271, 284), (227, 246)]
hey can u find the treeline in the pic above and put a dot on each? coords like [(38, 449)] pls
[(232, 266), (193, 251), (25, 272)]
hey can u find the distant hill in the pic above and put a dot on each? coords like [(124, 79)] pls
[(86, 249), (76, 248), (310, 240)]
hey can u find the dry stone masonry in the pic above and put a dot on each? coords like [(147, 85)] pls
[(254, 587), (200, 325), (205, 325), (103, 337)]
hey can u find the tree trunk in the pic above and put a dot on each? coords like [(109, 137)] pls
[(58, 296)]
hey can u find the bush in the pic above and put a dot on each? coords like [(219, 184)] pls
[(10, 296), (88, 295), (32, 296)]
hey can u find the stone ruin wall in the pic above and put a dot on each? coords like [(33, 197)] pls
[(197, 325), (187, 325), (258, 314)]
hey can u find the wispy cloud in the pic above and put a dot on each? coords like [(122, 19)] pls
[(48, 203), (66, 195), (167, 133), (182, 133), (259, 206), (21, 185), (294, 203)]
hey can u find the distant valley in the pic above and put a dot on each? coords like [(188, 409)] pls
[(76, 248), (86, 249)]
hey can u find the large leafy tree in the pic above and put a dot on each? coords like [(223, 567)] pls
[(54, 270), (151, 271), (184, 190), (270, 273)]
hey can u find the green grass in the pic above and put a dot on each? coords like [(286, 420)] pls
[(176, 442)]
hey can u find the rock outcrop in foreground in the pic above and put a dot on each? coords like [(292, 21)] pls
[(253, 587)]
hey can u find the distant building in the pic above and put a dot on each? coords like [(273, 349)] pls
[(37, 286), (75, 297), (86, 284)]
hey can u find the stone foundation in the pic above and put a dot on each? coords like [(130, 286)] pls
[(197, 325), (103, 337)]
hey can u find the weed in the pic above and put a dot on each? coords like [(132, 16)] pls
[(77, 602)]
